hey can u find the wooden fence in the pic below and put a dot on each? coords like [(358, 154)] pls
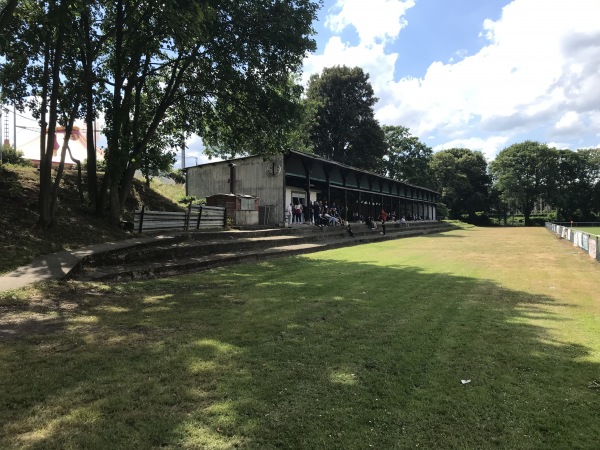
[(195, 218)]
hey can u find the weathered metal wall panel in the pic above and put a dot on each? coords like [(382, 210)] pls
[(253, 176)]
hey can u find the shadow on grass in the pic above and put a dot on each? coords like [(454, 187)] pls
[(297, 353)]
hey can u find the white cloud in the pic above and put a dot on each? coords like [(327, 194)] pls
[(560, 145), (489, 147), (569, 121), (538, 75), (372, 60), (377, 22), (374, 20)]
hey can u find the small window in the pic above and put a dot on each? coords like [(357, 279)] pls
[(247, 204)]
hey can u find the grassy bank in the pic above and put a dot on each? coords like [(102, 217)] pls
[(22, 241), (361, 347)]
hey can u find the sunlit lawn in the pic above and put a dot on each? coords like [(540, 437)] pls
[(590, 230), (361, 347)]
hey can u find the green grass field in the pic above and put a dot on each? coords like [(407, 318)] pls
[(361, 347), (590, 230)]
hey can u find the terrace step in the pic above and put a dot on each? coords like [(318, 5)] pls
[(197, 251)]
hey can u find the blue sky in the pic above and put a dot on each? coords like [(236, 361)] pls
[(480, 74)]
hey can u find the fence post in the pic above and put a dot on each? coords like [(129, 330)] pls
[(141, 218), (199, 216), (186, 224)]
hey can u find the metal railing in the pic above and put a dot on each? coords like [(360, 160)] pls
[(195, 218)]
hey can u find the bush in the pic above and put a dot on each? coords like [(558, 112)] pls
[(178, 176), (479, 218), (12, 156), (100, 165), (191, 200), (441, 211), (538, 221)]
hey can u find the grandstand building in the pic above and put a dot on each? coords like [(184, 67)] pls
[(303, 178)]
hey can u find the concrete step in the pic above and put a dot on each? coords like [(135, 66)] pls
[(199, 243), (187, 256)]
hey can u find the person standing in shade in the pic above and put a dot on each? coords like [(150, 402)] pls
[(383, 217), (316, 212), (298, 213), (289, 214)]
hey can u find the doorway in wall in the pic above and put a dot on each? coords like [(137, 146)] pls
[(299, 197)]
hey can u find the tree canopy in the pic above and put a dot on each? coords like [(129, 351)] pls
[(407, 157), (460, 175), (157, 70), (525, 173), (345, 128)]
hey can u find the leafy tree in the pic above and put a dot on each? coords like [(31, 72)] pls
[(156, 161), (592, 158), (221, 68), (573, 187), (498, 206), (157, 69), (577, 186), (40, 70), (525, 173), (345, 129), (284, 123), (441, 210), (461, 176), (407, 158)]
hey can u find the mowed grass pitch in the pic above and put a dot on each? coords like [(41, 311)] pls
[(361, 347), (589, 230)]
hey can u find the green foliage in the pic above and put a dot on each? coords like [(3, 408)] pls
[(407, 158), (100, 165), (441, 210), (262, 120), (460, 175), (160, 71), (479, 218), (345, 129), (12, 156), (177, 175), (525, 173), (577, 185), (188, 200), (155, 161)]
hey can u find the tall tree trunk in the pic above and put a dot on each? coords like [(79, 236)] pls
[(113, 167), (61, 166), (43, 124), (59, 172), (46, 218), (114, 203), (79, 179), (6, 13), (126, 183), (92, 166)]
